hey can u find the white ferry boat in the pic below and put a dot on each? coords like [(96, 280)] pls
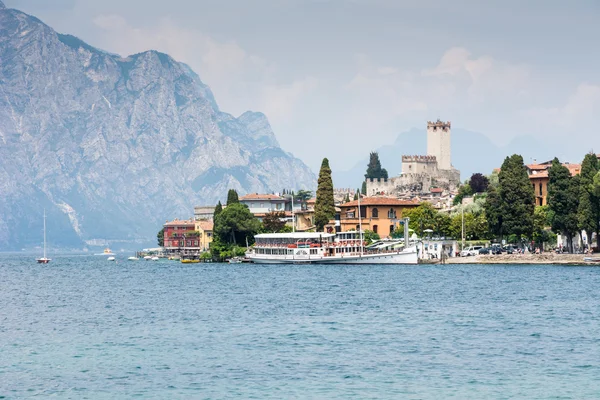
[(328, 248)]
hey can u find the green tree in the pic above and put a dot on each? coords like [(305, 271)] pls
[(517, 198), (463, 191), (303, 196), (218, 209), (235, 224), (422, 218), (347, 198), (160, 236), (356, 194), (232, 197), (562, 202), (541, 220), (370, 236), (589, 207), (374, 170), (274, 222), (325, 204), (363, 189), (493, 211)]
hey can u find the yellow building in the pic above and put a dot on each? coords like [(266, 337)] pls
[(381, 215), (205, 229)]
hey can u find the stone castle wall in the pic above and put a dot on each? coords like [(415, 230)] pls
[(414, 183)]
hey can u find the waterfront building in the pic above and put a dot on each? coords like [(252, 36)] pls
[(262, 204), (538, 176), (421, 173), (180, 237), (381, 215), (205, 233)]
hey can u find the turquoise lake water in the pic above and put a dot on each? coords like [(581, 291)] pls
[(82, 327)]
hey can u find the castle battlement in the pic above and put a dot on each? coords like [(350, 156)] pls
[(445, 126), (422, 159)]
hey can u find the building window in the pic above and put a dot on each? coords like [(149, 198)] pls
[(375, 213), (375, 228), (350, 214), (541, 190), (392, 214)]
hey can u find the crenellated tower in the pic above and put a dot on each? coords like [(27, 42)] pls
[(438, 143)]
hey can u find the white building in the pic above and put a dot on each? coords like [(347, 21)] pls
[(262, 204)]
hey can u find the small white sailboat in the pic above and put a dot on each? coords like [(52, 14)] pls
[(133, 259), (110, 259), (44, 259)]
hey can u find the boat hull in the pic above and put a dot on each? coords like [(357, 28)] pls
[(43, 260), (408, 257)]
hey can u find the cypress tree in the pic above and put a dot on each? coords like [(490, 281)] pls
[(363, 189), (232, 197), (493, 211), (325, 204), (517, 197), (374, 170), (217, 211), (589, 210), (356, 194)]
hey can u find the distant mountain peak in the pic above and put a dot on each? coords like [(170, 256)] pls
[(2, 5), (113, 146)]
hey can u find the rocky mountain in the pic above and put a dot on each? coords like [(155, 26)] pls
[(471, 152), (113, 146)]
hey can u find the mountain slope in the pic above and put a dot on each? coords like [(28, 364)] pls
[(113, 146)]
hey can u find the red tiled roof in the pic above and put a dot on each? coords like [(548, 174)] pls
[(205, 225), (256, 196), (437, 190), (179, 222), (380, 201)]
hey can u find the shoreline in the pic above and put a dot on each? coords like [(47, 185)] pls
[(524, 259)]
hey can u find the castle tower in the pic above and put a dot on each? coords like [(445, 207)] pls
[(438, 143)]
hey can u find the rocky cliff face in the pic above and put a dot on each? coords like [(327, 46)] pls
[(113, 146)]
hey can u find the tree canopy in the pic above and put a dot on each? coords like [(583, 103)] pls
[(232, 197), (478, 183), (160, 236), (274, 222), (588, 212), (517, 198), (235, 224), (563, 201), (374, 170), (325, 204)]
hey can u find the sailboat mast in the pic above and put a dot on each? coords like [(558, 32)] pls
[(360, 226), (44, 233)]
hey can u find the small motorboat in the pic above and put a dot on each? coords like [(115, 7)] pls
[(235, 260), (44, 259), (154, 258), (106, 252), (110, 259), (147, 258), (133, 259), (189, 261), (592, 259)]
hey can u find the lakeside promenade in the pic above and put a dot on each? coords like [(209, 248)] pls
[(545, 258)]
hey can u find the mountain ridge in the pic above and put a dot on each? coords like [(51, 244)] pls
[(112, 146)]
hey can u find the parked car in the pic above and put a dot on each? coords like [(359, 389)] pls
[(485, 250), (496, 249), (470, 251)]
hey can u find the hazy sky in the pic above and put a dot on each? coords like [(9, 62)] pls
[(339, 78)]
